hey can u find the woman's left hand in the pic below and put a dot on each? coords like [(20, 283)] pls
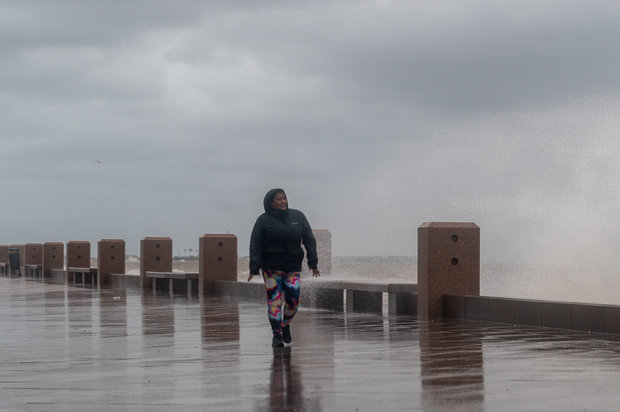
[(316, 273)]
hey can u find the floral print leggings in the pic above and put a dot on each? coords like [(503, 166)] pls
[(281, 286)]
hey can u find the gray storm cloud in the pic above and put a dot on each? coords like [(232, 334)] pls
[(375, 116)]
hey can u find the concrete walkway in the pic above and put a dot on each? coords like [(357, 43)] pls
[(74, 349)]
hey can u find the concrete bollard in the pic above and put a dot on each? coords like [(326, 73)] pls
[(78, 254), (448, 264), (4, 259), (155, 256), (53, 257), (110, 259), (33, 254), (218, 260), (33, 259)]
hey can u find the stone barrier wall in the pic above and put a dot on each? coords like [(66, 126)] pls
[(549, 314)]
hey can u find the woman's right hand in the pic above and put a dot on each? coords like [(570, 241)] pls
[(250, 277)]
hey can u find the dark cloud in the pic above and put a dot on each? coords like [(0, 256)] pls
[(375, 116)]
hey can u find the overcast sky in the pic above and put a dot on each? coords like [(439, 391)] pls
[(156, 118)]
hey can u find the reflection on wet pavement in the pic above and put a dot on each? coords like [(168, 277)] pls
[(74, 349), (451, 367)]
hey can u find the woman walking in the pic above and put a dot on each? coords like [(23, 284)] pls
[(275, 248)]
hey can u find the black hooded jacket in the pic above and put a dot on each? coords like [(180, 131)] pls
[(277, 237)]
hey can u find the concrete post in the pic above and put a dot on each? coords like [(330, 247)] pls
[(78, 254), (448, 264), (53, 256), (4, 258), (155, 256), (218, 260), (110, 259), (33, 254)]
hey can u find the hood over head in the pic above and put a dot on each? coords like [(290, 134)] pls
[(269, 199)]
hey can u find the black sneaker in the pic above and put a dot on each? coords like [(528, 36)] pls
[(286, 334), (277, 340)]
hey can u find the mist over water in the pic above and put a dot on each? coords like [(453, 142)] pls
[(571, 283), (541, 182)]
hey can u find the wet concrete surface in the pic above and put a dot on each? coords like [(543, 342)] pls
[(74, 349)]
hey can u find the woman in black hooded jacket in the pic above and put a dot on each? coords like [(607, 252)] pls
[(275, 248)]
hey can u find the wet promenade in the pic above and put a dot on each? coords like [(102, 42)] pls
[(74, 349)]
